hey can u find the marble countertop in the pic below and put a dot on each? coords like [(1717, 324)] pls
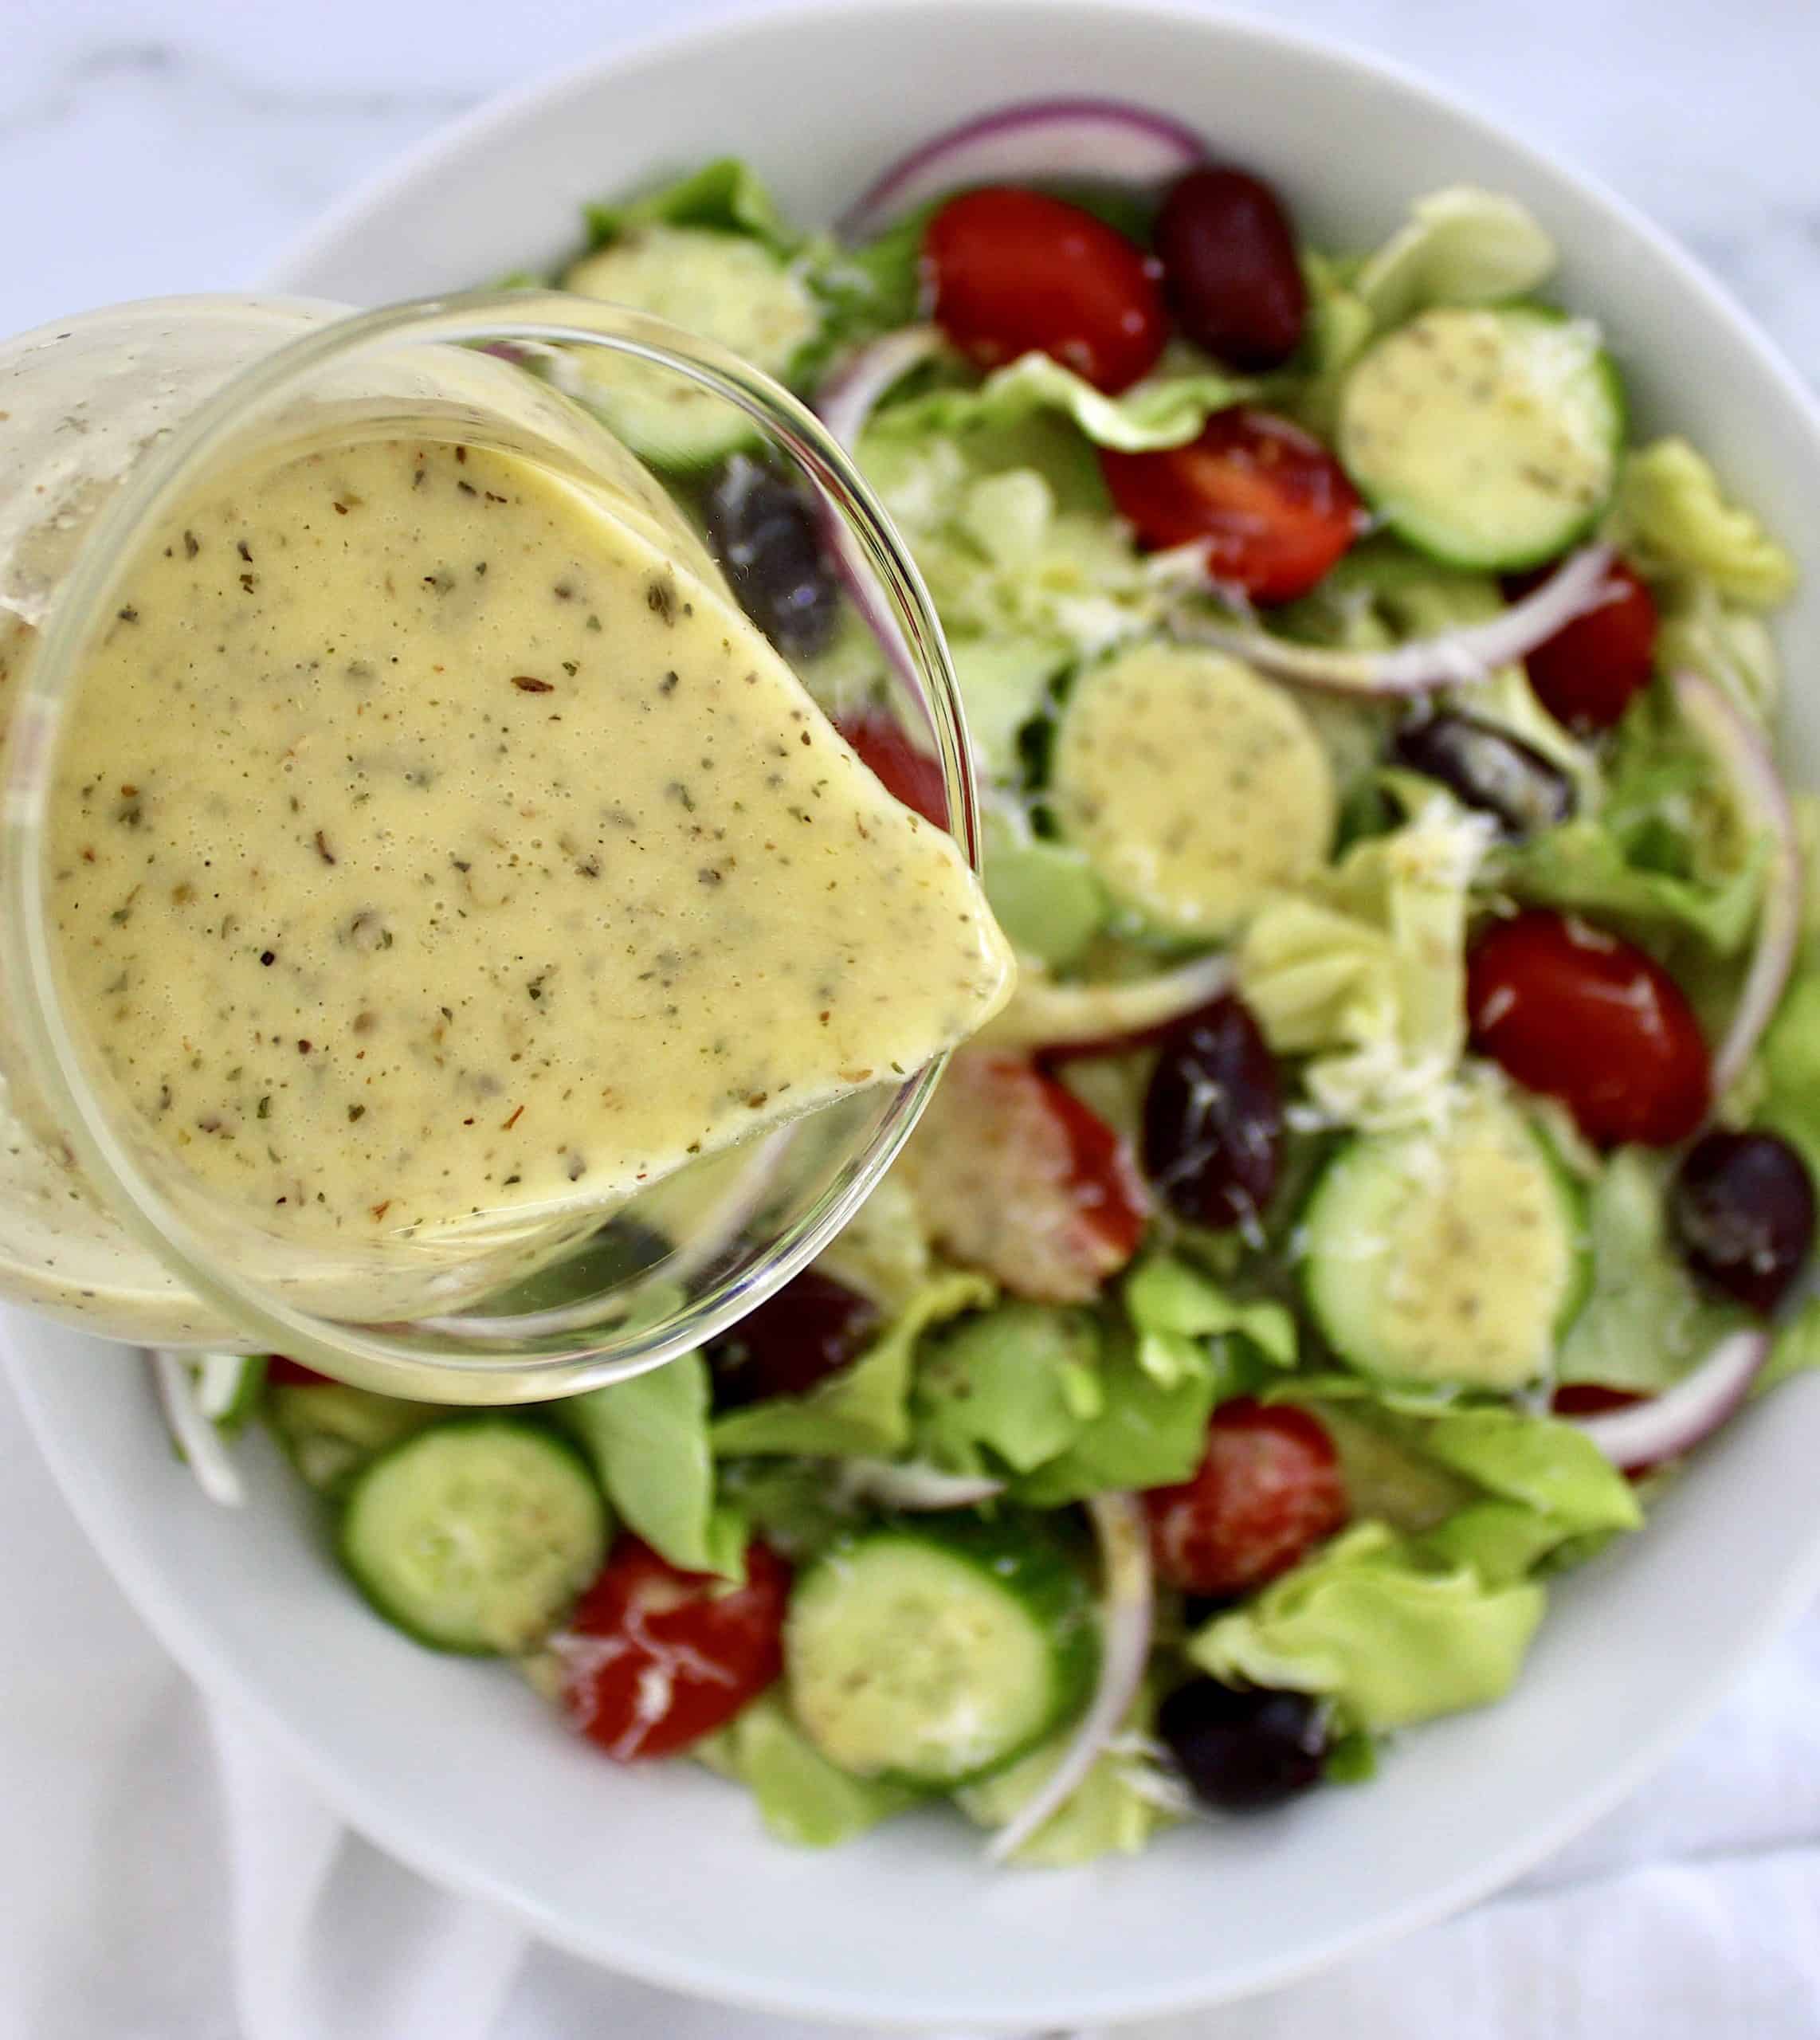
[(148, 146)]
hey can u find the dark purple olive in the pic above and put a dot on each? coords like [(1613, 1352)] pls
[(1243, 1750), (1742, 1205), (1212, 1119), (1487, 768), (811, 1329), (1230, 270), (762, 529)]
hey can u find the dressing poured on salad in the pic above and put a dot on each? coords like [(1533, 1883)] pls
[(1398, 1152)]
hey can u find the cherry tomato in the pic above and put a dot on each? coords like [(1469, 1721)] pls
[(1267, 1490), (1588, 673), (282, 1372), (1230, 271), (1580, 1015), (653, 1659), (1014, 272), (811, 1329), (1015, 1176), (1270, 505), (906, 773)]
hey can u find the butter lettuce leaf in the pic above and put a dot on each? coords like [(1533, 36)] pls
[(1643, 1324), (1009, 1387), (647, 1438), (802, 1798), (1167, 408), (1795, 1349), (1147, 1434), (1363, 970), (1581, 866), (1674, 519), (1387, 1635), (864, 1411), (726, 194), (1550, 1467), (1460, 246), (1115, 1811)]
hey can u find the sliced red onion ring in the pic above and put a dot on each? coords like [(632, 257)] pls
[(1127, 1620), (1452, 658), (1645, 1433), (1744, 756), (1043, 141), (844, 402), (196, 1438), (1094, 1019), (911, 1486)]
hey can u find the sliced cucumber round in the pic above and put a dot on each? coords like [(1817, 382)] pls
[(934, 1654), (721, 286), (1457, 1255), (475, 1535), (1486, 437), (1194, 785)]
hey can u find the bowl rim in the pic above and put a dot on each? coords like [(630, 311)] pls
[(187, 1633)]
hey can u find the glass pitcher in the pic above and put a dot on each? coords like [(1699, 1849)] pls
[(108, 420)]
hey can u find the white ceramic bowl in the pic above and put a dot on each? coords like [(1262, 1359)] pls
[(457, 1767)]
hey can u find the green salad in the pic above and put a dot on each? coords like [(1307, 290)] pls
[(1399, 1152)]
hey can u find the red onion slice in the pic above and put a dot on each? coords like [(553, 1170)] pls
[(1645, 1433), (1044, 141), (1096, 1019), (196, 1438), (1452, 658), (1744, 755), (910, 1486), (845, 403), (1127, 1622)]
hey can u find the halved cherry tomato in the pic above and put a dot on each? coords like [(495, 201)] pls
[(1015, 1176), (1587, 674), (1580, 1015), (906, 773), (1268, 1490), (811, 1329), (283, 1372), (1014, 272), (653, 1659), (1272, 507)]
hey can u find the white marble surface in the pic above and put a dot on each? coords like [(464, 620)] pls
[(156, 145)]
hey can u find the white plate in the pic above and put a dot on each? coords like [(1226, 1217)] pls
[(457, 1767)]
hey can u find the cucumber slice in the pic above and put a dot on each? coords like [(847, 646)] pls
[(330, 1431), (475, 1535), (1196, 786), (721, 286), (931, 1655), (1456, 1255), (1487, 438)]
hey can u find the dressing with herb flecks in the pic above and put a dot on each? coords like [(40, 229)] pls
[(426, 844)]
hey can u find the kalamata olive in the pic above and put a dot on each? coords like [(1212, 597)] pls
[(762, 529), (1213, 1119), (1230, 271), (1742, 1205), (811, 1329), (1581, 1015), (1242, 1751), (1487, 768)]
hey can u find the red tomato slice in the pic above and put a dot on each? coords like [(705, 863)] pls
[(906, 773), (1015, 272), (1580, 1015), (1589, 672), (1272, 507), (1015, 1176), (653, 1659), (1268, 1491)]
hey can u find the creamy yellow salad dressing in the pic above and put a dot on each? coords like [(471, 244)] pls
[(429, 844)]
